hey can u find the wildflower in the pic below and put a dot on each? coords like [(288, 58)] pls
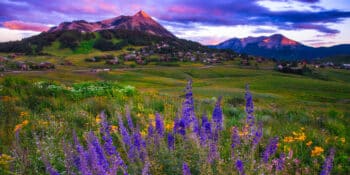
[(113, 128), (328, 164), (288, 139), (98, 119), (249, 108), (188, 105), (217, 115), (151, 116), (299, 136), (23, 114), (316, 151), (270, 149), (129, 119), (240, 167), (20, 126), (213, 152), (185, 169), (5, 159), (83, 157), (280, 162), (169, 126), (124, 132), (159, 125), (235, 140), (145, 169), (257, 136), (171, 141), (342, 140), (309, 143)]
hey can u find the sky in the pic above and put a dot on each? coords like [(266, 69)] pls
[(311, 22)]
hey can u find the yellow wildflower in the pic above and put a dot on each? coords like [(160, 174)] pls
[(286, 148), (5, 159), (309, 143), (113, 128), (169, 126), (98, 119), (299, 136), (143, 133), (24, 114), (20, 126), (288, 139), (342, 140), (151, 116), (242, 133), (138, 114), (317, 151)]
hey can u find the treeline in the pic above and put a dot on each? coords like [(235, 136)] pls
[(72, 39)]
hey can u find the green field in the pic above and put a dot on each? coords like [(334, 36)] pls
[(320, 103)]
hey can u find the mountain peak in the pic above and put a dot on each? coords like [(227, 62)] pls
[(143, 14)]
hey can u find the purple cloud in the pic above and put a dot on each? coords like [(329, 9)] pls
[(176, 12), (261, 30)]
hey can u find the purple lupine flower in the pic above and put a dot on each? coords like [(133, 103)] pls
[(150, 131), (171, 141), (217, 115), (124, 132), (235, 140), (240, 167), (109, 148), (249, 108), (47, 163), (159, 125), (83, 157), (188, 105), (270, 149), (99, 159), (70, 158), (129, 119), (145, 169), (213, 152), (280, 162), (195, 126), (203, 130), (182, 127), (328, 163), (185, 169), (257, 136)]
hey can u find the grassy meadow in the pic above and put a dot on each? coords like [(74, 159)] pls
[(49, 105)]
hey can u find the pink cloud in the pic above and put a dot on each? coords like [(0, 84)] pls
[(184, 9), (21, 25)]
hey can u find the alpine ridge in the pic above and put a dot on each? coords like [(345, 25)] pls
[(141, 21), (278, 46)]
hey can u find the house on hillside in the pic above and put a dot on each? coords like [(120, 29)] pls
[(113, 61), (22, 66)]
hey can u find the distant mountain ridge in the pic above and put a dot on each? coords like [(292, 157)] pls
[(278, 46), (141, 21)]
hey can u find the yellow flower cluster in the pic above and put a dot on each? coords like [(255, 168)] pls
[(113, 128), (24, 114), (316, 151), (5, 159), (169, 126), (98, 119), (20, 126), (309, 143), (297, 136)]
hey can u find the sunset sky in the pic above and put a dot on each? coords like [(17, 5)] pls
[(312, 22)]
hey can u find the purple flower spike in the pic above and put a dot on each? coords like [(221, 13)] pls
[(249, 108), (124, 132), (270, 149), (217, 115), (280, 162), (328, 164), (129, 119), (159, 125), (171, 141), (185, 169), (240, 167), (235, 140), (257, 136)]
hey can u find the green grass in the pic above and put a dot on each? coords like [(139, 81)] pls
[(284, 102)]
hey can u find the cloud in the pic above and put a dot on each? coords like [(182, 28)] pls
[(261, 30), (20, 25)]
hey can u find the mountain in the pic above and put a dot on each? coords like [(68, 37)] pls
[(141, 21), (278, 46)]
